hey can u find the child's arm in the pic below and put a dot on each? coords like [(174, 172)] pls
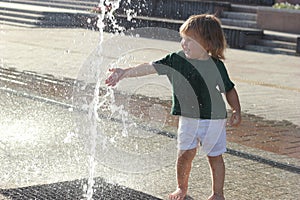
[(233, 100), (118, 73)]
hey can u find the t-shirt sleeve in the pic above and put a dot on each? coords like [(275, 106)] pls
[(162, 66), (225, 83)]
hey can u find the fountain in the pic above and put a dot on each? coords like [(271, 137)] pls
[(104, 123), (116, 125)]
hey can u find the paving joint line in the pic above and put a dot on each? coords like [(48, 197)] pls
[(272, 163)]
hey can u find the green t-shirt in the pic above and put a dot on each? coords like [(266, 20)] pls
[(197, 85)]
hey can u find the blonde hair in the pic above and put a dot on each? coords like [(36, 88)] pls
[(207, 30)]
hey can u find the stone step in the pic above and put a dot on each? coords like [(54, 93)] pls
[(276, 44), (286, 37), (10, 12), (22, 16), (42, 16), (239, 15), (53, 2), (19, 20), (271, 50), (239, 23), (252, 2), (18, 24), (243, 8), (67, 4), (28, 8)]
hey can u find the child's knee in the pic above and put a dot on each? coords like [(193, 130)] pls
[(187, 155), (215, 159)]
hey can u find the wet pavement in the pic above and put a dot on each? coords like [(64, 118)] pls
[(40, 147)]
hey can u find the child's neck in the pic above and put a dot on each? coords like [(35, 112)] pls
[(203, 57)]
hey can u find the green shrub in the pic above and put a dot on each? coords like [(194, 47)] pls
[(286, 5)]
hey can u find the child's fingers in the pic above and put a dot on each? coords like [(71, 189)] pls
[(112, 80), (114, 77), (235, 119), (110, 83)]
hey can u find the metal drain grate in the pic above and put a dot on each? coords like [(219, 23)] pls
[(73, 190)]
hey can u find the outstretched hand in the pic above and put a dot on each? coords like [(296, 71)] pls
[(116, 75)]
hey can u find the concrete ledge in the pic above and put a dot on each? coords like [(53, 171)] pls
[(283, 20), (240, 37), (61, 19), (236, 37), (173, 9), (245, 2)]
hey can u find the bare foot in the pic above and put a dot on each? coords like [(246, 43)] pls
[(216, 197), (177, 195)]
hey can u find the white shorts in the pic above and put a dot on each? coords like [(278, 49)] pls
[(209, 135)]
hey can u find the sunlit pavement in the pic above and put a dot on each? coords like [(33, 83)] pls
[(39, 144)]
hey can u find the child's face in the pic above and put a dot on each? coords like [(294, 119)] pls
[(193, 49)]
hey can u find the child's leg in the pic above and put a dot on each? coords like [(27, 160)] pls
[(217, 167), (183, 169)]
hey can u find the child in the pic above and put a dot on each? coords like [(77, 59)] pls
[(198, 77)]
